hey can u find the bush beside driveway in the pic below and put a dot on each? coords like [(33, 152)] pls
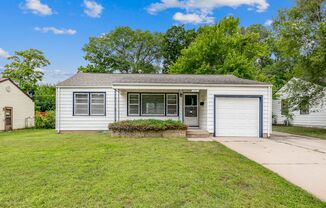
[(39, 168)]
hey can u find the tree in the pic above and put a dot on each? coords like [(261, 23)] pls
[(44, 98), (24, 68), (174, 40), (222, 49), (300, 49), (123, 50)]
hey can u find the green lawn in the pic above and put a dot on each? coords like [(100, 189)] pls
[(304, 131), (39, 168)]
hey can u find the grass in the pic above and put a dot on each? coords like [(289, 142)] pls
[(39, 168), (304, 131)]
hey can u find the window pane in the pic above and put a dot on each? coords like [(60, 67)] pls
[(191, 100), (153, 104), (81, 104), (172, 110), (97, 104), (133, 102), (171, 99), (134, 109)]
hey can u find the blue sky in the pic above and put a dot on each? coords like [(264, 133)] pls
[(60, 28)]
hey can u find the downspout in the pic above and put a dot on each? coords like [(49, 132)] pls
[(118, 105), (269, 111), (115, 105)]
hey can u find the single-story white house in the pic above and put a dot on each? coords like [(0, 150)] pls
[(224, 105), (16, 107), (308, 116)]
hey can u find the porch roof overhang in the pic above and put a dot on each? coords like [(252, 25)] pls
[(160, 86)]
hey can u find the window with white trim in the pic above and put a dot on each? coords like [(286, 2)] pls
[(97, 104), (171, 104), (89, 104), (152, 104), (81, 101), (133, 104)]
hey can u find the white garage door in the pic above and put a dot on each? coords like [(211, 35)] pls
[(237, 116)]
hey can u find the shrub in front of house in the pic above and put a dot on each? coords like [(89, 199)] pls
[(45, 120), (148, 128)]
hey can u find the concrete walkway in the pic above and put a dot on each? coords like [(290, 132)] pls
[(300, 160)]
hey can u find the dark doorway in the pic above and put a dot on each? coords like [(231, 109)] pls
[(8, 119)]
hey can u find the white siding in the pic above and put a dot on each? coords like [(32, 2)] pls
[(203, 109), (316, 117), (23, 106), (264, 91), (67, 121)]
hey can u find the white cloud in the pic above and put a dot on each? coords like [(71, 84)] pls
[(38, 8), (204, 8), (206, 5), (53, 76), (193, 18), (92, 8), (3, 54), (268, 22), (56, 31)]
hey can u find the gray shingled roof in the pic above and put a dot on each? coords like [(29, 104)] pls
[(99, 79)]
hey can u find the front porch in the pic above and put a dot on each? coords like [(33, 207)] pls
[(186, 105)]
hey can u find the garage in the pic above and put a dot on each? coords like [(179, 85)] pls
[(238, 116)]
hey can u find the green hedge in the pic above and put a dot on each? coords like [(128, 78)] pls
[(147, 125), (45, 120)]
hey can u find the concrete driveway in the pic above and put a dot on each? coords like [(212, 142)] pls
[(300, 160)]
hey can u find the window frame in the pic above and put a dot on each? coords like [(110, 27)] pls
[(167, 104), (138, 103), (153, 115), (89, 104)]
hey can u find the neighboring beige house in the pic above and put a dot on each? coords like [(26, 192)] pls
[(16, 107)]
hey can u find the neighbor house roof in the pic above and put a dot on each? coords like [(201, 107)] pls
[(100, 79)]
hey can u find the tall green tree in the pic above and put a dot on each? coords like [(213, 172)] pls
[(24, 68), (175, 39), (123, 50), (300, 49), (44, 98), (223, 49)]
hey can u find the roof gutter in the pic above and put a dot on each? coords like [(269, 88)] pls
[(120, 85)]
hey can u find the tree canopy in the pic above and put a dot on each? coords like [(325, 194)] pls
[(25, 68), (223, 49), (175, 39), (123, 50)]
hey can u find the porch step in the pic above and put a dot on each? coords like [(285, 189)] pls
[(197, 133)]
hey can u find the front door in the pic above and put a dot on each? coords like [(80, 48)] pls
[(191, 109), (8, 119)]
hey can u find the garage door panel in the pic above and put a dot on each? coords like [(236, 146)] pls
[(237, 116)]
